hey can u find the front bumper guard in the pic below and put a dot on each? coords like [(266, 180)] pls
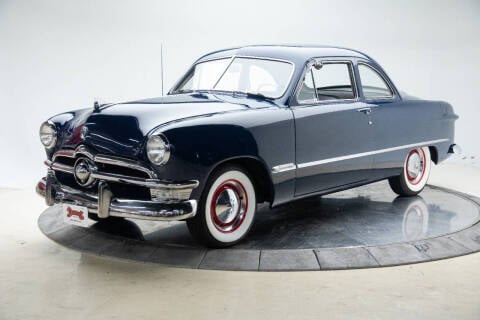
[(104, 204)]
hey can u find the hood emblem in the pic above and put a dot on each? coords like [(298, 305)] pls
[(83, 170)]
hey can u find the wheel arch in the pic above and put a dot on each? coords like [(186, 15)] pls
[(256, 170), (433, 154)]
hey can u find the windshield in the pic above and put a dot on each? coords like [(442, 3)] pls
[(268, 78)]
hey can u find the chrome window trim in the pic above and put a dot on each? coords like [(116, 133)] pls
[(224, 71), (179, 81), (232, 58), (387, 83), (329, 60)]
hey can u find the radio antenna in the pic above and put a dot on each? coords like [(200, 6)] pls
[(161, 64)]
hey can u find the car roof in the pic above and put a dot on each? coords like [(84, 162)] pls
[(293, 53)]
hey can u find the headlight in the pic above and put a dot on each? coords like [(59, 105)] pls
[(48, 134), (158, 150)]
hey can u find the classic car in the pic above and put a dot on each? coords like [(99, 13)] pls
[(245, 126)]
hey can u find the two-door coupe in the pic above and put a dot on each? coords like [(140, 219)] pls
[(245, 126)]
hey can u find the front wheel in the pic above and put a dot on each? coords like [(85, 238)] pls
[(415, 173), (226, 209)]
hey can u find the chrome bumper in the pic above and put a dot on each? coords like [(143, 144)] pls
[(104, 204), (455, 149)]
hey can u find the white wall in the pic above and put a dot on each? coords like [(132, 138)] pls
[(56, 55)]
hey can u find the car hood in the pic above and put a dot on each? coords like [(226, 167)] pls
[(121, 129)]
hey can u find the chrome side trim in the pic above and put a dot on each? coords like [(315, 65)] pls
[(284, 168), (369, 153)]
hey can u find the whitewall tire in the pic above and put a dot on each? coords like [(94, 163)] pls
[(226, 210), (415, 173)]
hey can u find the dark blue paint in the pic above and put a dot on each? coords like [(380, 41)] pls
[(206, 130)]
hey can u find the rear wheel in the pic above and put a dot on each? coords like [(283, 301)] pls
[(415, 173), (226, 209)]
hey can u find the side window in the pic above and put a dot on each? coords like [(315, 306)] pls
[(333, 81), (373, 85), (328, 81)]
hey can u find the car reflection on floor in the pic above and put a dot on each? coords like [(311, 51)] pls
[(369, 215)]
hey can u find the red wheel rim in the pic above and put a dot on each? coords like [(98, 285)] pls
[(414, 180), (229, 205)]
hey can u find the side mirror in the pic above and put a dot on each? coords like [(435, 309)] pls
[(318, 65)]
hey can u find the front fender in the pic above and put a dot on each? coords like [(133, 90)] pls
[(199, 145)]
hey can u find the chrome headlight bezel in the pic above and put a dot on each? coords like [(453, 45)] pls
[(48, 128), (158, 149)]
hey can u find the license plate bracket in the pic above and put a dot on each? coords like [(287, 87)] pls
[(76, 215)]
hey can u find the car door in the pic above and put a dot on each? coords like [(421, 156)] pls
[(390, 120), (332, 126)]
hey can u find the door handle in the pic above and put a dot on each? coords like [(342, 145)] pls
[(366, 110)]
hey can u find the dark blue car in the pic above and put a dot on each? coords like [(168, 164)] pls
[(244, 126)]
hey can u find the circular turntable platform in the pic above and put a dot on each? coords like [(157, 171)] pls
[(363, 227)]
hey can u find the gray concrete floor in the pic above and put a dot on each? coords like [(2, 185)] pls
[(41, 280)]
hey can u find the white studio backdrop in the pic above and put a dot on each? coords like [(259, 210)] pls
[(56, 55)]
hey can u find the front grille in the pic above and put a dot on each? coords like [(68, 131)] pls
[(119, 190), (67, 179), (107, 168), (130, 178), (111, 168), (66, 160)]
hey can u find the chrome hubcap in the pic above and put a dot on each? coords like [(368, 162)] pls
[(229, 206), (415, 166)]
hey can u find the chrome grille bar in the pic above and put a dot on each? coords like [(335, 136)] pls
[(184, 189), (106, 159)]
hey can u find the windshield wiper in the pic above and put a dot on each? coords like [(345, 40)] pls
[(251, 94), (183, 91), (238, 93)]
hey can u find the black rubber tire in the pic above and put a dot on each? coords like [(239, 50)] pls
[(399, 186), (198, 225), (399, 183)]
